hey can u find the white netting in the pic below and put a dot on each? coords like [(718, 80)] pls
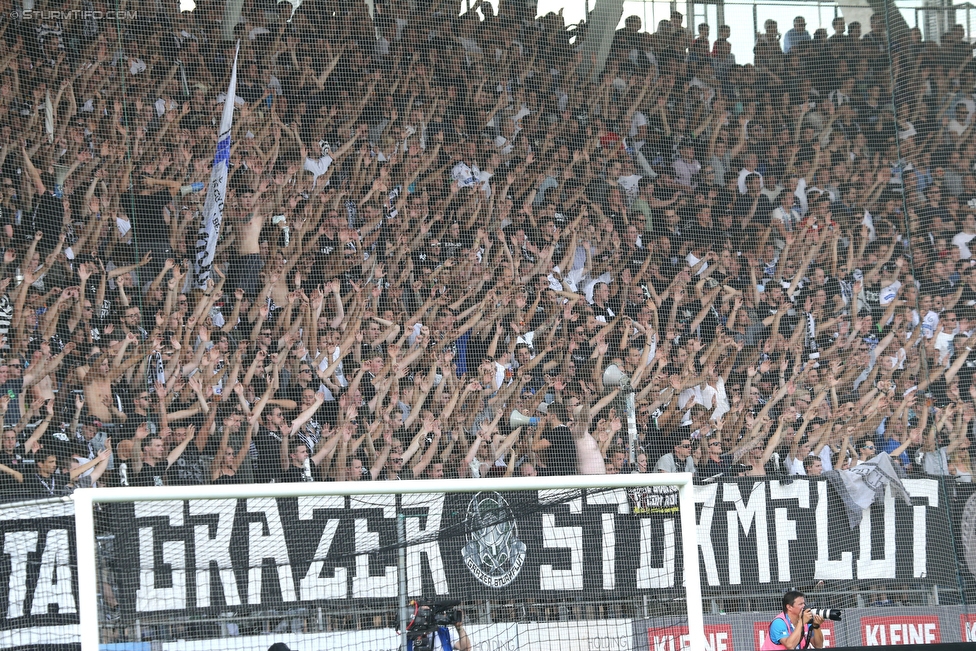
[(488, 568), (504, 239)]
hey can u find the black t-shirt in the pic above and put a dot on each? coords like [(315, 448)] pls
[(48, 218), (119, 476), (325, 259), (561, 458), (366, 387), (268, 465), (426, 259), (872, 295), (150, 475), (58, 440), (607, 312), (145, 212), (760, 218), (634, 257), (833, 288), (929, 213), (228, 479), (968, 296), (581, 356), (710, 468), (12, 388), (936, 287), (39, 487), (191, 469), (475, 351), (294, 474), (10, 488), (452, 247), (685, 315)]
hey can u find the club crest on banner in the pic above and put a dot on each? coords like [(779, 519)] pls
[(494, 554)]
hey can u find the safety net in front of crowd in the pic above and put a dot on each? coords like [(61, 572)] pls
[(339, 241)]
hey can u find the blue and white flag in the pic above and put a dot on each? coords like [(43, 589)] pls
[(213, 206)]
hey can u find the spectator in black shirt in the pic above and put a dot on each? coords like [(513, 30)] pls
[(268, 440), (190, 467), (968, 280), (48, 216), (150, 213), (602, 308), (752, 209), (296, 464), (272, 438), (150, 459), (9, 455), (717, 462), (46, 481), (11, 478)]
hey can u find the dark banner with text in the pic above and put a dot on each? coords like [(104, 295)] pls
[(962, 497), (754, 537), (38, 581)]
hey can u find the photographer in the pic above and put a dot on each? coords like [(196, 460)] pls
[(786, 631), (439, 638)]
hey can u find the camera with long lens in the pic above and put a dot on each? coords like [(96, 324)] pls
[(827, 613), (427, 617)]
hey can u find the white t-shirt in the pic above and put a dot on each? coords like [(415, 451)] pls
[(958, 128), (789, 218), (943, 343), (469, 175), (802, 192), (589, 282), (499, 375), (318, 167), (795, 466), (743, 173), (709, 397), (630, 185), (936, 462), (825, 458), (929, 323), (888, 294), (692, 261), (639, 120), (962, 240)]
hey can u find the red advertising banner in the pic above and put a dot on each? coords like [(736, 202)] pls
[(895, 631), (968, 624), (718, 637)]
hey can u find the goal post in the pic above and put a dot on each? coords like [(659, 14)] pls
[(551, 495)]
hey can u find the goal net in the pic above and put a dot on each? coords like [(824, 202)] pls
[(564, 563)]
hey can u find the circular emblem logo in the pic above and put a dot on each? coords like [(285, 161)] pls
[(968, 527), (493, 554)]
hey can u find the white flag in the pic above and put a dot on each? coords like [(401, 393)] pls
[(48, 117), (213, 206)]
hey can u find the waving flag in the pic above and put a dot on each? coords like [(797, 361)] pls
[(48, 117), (213, 206), (859, 487)]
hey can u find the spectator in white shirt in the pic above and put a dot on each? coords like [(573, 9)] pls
[(963, 238)]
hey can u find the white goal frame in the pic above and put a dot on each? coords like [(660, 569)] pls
[(86, 498)]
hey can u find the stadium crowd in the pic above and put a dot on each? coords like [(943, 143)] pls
[(433, 221)]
